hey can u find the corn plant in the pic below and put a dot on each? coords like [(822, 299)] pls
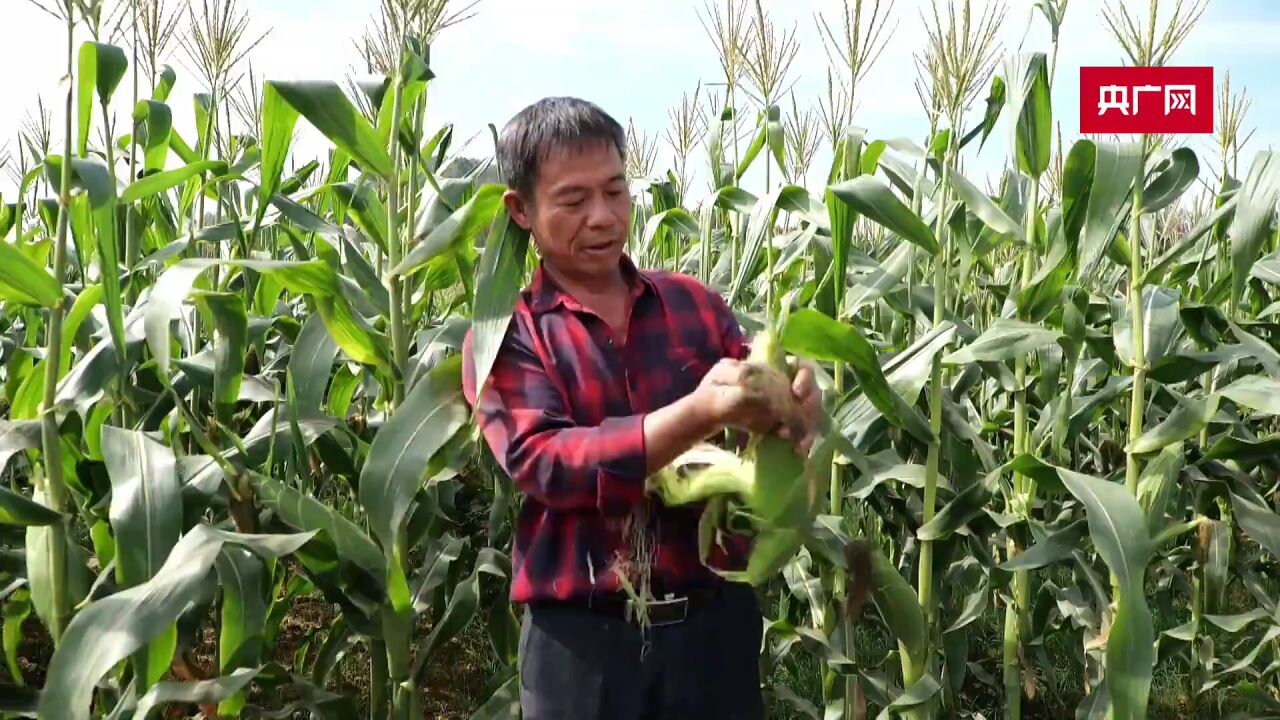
[(232, 379)]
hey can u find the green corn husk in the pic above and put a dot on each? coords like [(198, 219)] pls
[(771, 482)]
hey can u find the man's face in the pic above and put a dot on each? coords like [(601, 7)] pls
[(580, 211)]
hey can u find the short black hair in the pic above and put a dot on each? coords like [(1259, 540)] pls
[(548, 123)]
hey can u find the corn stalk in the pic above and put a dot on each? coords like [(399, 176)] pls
[(51, 442)]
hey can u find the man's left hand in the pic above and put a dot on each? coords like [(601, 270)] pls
[(804, 387)]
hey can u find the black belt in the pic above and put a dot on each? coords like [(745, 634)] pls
[(670, 609)]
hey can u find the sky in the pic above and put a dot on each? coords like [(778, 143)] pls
[(636, 59)]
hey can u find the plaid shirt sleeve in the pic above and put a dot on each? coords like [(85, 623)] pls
[(733, 343), (527, 423)]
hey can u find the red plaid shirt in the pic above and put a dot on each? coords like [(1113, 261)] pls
[(563, 410)]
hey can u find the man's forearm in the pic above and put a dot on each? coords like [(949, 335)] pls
[(674, 429)]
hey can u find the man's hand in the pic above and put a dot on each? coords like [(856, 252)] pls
[(718, 403), (728, 405), (805, 389)]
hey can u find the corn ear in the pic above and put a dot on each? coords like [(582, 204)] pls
[(771, 478), (728, 475)]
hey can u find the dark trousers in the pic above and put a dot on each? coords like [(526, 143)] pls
[(581, 664)]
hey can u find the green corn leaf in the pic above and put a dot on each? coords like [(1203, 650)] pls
[(145, 504), (302, 217), (503, 704), (1055, 548), (1188, 242), (906, 373), (1158, 485), (402, 451), (920, 692), (168, 294), (17, 509), (242, 577), (841, 216), (457, 615), (438, 559), (497, 286), (1258, 522), (1116, 169), (230, 346), (359, 268), (1004, 340), (109, 630), (1185, 421), (1031, 107), (966, 506), (760, 226), (1255, 212), (310, 365), (1118, 529), (313, 278), (460, 228), (1043, 294), (1267, 269), (1245, 452), (1258, 349), (751, 152), (811, 334), (1239, 621), (899, 607), (772, 549), (278, 121), (156, 119), (1046, 476), (166, 79), (89, 174), (995, 103), (23, 281), (101, 68), (146, 520), (366, 209), (1161, 324), (1256, 393), (675, 220), (304, 513), (986, 210), (17, 608), (94, 175), (203, 692), (1177, 173), (873, 198), (39, 551), (776, 137), (871, 157), (160, 182), (881, 280), (329, 110), (1077, 187)]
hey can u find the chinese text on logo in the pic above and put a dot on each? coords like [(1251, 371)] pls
[(1152, 100)]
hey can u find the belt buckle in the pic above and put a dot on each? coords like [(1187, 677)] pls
[(669, 602)]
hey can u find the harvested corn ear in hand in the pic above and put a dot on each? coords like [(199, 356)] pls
[(769, 481)]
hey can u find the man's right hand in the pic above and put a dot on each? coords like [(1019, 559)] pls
[(718, 403), (727, 405)]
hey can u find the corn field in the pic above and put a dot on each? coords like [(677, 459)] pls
[(231, 394)]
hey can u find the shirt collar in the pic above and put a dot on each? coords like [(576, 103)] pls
[(546, 294)]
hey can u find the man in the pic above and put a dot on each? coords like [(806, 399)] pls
[(607, 374)]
